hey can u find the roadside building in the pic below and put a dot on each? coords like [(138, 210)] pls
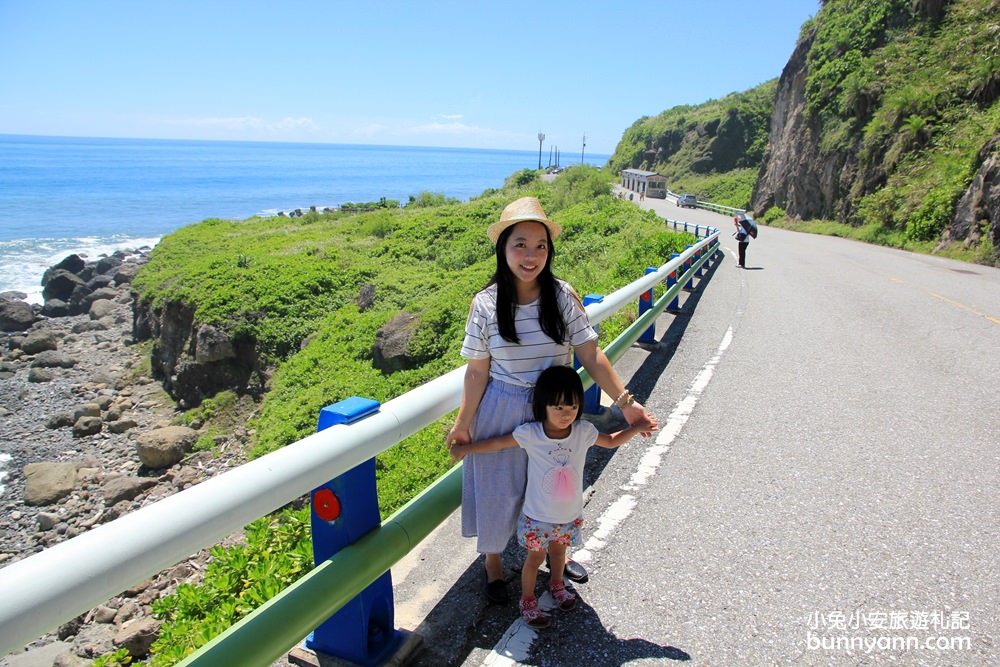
[(648, 183)]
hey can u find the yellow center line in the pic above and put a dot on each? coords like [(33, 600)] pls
[(964, 307)]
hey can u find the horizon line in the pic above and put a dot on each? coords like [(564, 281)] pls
[(265, 141)]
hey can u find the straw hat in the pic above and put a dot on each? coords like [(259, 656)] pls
[(524, 209)]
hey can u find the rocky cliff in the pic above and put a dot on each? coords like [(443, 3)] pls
[(195, 361), (869, 148)]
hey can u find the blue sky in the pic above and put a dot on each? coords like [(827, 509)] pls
[(474, 74)]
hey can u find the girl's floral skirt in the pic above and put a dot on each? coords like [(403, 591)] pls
[(536, 535)]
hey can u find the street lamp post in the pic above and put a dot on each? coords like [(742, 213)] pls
[(541, 138), (582, 150)]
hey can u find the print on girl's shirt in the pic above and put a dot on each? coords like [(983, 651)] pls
[(560, 480)]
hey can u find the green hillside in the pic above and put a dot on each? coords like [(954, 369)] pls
[(887, 130), (290, 290), (712, 149)]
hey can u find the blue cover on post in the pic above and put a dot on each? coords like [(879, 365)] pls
[(348, 411)]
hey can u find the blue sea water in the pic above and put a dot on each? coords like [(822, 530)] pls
[(63, 195)]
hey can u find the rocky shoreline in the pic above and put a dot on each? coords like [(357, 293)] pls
[(88, 436)]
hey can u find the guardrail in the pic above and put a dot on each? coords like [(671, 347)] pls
[(717, 208), (70, 578)]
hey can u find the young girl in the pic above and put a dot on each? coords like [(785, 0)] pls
[(556, 445)]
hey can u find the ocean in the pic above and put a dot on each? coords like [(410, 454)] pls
[(90, 196)]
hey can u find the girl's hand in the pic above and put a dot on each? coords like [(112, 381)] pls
[(457, 437), (647, 422), (457, 452), (635, 415)]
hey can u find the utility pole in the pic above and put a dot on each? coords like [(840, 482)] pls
[(582, 150), (541, 138)]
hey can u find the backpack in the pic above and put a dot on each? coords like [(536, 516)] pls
[(748, 225)]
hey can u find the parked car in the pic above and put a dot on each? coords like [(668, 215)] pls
[(687, 200)]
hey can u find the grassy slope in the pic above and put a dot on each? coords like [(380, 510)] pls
[(282, 281)]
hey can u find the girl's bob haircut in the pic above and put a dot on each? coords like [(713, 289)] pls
[(557, 385)]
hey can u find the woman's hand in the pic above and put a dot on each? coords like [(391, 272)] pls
[(635, 414)]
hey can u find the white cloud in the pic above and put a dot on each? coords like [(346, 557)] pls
[(450, 116)]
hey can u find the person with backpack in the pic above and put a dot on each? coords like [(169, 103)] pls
[(743, 240)]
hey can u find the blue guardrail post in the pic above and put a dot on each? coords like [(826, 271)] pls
[(675, 306), (592, 396), (687, 267), (648, 337), (343, 510)]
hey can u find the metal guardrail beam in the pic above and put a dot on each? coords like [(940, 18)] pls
[(280, 623), (70, 578)]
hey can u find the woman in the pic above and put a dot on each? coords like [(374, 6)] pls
[(524, 321)]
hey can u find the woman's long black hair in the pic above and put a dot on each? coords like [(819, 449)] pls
[(549, 315)]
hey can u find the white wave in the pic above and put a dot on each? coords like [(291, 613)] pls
[(23, 261)]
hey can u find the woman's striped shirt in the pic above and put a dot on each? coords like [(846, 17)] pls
[(522, 363)]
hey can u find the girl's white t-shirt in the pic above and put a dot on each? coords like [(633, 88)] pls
[(555, 470), (521, 363)]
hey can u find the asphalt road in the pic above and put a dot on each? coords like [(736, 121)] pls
[(823, 490)]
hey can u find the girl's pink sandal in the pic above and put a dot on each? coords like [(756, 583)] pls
[(532, 615), (563, 597)]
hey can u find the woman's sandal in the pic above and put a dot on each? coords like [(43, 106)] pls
[(563, 597), (532, 615)]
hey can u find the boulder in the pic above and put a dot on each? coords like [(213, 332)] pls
[(101, 293), (365, 298), (95, 640), (85, 426), (121, 425), (211, 344), (89, 325), (126, 272), (137, 637), (46, 483), (60, 284), (60, 420), (55, 308), (164, 447), (107, 265), (15, 316), (125, 488), (68, 659), (102, 308), (72, 263), (39, 341), (391, 343), (99, 281), (53, 359), (40, 375), (87, 410), (13, 295)]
